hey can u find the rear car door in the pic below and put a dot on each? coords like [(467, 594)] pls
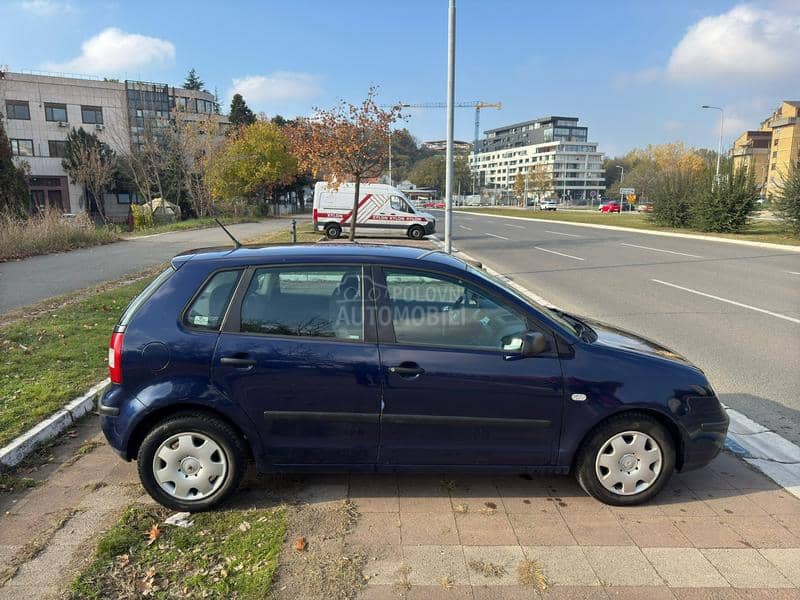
[(296, 354), (453, 395)]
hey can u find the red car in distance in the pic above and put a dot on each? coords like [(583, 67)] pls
[(610, 207)]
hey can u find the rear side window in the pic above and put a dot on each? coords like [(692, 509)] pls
[(308, 301), (144, 296), (208, 308)]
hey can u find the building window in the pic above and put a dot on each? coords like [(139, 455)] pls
[(92, 115), (57, 148), (55, 112), (18, 109), (22, 147)]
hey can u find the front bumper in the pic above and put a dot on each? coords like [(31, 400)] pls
[(706, 437), (430, 227)]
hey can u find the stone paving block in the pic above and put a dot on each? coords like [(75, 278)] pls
[(563, 565), (430, 564), (790, 522), (378, 592), (601, 529), (762, 532), (702, 480), (741, 475), (787, 560), (325, 494), (775, 502), (423, 494), (684, 567), (439, 592), (504, 592), (383, 573), (521, 496), (425, 529), (679, 501), (570, 592), (379, 535), (639, 592), (709, 532), (746, 568), (506, 558), (726, 593), (731, 502), (480, 529), (542, 529), (476, 493), (616, 565), (649, 531), (769, 594), (374, 493)]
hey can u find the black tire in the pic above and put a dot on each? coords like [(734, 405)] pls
[(585, 463), (333, 231), (415, 232), (228, 440)]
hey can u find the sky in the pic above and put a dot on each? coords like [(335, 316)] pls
[(635, 72)]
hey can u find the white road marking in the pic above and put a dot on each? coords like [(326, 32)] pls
[(514, 226), (660, 250), (734, 302), (793, 273), (497, 236), (465, 227), (561, 233), (559, 253)]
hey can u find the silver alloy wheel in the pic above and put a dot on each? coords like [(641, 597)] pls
[(628, 463), (190, 466)]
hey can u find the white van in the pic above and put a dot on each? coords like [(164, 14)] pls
[(381, 208)]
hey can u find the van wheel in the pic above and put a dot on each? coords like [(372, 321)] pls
[(191, 462), (415, 232), (627, 460), (333, 231)]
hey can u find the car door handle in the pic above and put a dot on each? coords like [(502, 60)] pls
[(407, 369), (239, 363)]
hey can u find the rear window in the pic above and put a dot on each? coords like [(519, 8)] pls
[(208, 308), (143, 296)]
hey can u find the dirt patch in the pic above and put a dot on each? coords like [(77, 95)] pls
[(487, 569)]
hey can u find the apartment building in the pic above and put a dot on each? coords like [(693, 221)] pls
[(771, 149), (553, 145), (39, 111)]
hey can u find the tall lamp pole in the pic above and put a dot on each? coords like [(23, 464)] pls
[(719, 145), (621, 179), (451, 82)]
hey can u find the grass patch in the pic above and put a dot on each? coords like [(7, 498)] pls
[(224, 554), (188, 224), (773, 232), (305, 234), (11, 482), (48, 359)]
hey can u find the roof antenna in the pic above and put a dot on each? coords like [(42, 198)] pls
[(229, 234)]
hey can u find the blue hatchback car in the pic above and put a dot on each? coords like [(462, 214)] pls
[(378, 358)]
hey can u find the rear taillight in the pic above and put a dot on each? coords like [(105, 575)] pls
[(314, 216), (115, 358)]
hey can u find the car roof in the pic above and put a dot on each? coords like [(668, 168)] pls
[(323, 252)]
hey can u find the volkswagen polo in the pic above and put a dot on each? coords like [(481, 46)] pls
[(355, 357)]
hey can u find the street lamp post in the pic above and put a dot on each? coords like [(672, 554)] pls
[(451, 81), (719, 145), (621, 179)]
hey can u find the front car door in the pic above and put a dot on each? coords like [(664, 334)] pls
[(296, 354), (456, 389)]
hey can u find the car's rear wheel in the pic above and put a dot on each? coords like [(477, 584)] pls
[(333, 231), (191, 462), (626, 460), (415, 232)]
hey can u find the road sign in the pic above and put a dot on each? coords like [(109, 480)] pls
[(627, 191), (631, 198), (592, 194)]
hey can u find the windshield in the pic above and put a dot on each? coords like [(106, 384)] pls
[(552, 314), (399, 203)]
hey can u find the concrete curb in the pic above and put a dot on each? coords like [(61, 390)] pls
[(689, 236), (12, 454), (770, 453)]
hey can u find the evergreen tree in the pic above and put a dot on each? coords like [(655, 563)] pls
[(787, 203), (14, 196), (240, 115), (193, 82)]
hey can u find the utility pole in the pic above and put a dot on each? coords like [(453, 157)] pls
[(391, 181), (719, 145), (451, 83), (621, 180)]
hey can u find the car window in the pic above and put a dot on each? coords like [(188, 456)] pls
[(143, 296), (306, 302), (208, 308), (432, 309), (399, 204)]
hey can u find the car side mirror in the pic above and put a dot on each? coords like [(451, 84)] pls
[(533, 344)]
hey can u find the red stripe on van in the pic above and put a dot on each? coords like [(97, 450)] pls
[(360, 204)]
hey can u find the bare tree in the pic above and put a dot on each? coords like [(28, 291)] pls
[(92, 164)]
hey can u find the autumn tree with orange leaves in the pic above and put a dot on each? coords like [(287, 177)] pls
[(347, 141)]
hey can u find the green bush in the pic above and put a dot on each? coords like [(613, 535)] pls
[(727, 207), (142, 217), (672, 199), (787, 201)]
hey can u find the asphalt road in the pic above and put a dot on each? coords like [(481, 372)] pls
[(733, 310), (34, 279)]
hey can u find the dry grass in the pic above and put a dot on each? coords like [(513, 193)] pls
[(487, 569), (49, 232), (530, 573)]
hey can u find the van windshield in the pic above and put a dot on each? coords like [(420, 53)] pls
[(401, 205)]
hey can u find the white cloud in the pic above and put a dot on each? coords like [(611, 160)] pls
[(673, 125), (280, 86), (113, 51), (46, 8), (747, 43)]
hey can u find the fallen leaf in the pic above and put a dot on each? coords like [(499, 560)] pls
[(300, 544), (153, 534), (245, 526)]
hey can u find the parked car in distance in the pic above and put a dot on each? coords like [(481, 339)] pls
[(610, 207), (548, 205), (644, 207), (381, 209), (332, 357)]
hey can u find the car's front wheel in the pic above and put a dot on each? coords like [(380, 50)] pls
[(627, 460), (191, 462), (415, 232)]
